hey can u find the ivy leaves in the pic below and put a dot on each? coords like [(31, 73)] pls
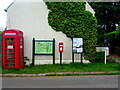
[(72, 19)]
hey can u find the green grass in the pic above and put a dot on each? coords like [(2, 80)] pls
[(77, 67)]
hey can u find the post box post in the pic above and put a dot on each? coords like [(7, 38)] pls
[(61, 49)]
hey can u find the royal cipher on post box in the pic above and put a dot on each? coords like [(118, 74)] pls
[(12, 49)]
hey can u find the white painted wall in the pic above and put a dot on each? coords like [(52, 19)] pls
[(89, 8), (31, 18)]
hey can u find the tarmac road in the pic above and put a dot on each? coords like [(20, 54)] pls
[(61, 82)]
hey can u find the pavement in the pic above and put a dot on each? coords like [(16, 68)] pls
[(50, 74)]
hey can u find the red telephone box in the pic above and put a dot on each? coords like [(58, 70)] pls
[(61, 47), (12, 49)]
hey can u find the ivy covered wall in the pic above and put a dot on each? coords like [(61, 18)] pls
[(72, 19)]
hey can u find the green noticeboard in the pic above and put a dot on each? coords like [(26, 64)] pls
[(43, 47)]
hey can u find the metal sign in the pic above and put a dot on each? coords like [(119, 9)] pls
[(77, 45), (98, 49)]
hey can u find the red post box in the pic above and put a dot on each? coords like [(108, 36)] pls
[(12, 49), (61, 49)]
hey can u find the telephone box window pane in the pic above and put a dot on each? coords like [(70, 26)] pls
[(21, 39), (10, 61), (21, 57), (9, 39), (10, 65), (21, 43), (10, 47), (21, 46), (20, 34), (21, 60), (10, 50), (10, 54), (9, 43), (21, 63), (20, 53), (21, 50), (10, 58)]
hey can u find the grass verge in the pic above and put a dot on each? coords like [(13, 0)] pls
[(77, 67)]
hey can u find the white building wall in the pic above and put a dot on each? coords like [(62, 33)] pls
[(89, 8), (31, 18)]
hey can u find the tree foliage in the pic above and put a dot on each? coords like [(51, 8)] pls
[(108, 15), (72, 19)]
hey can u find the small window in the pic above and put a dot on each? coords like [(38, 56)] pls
[(9, 39), (10, 50), (9, 43), (10, 57), (10, 53), (9, 65), (20, 34), (21, 39)]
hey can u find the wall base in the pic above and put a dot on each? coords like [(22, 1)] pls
[(38, 62)]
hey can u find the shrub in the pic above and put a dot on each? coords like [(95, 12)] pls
[(27, 61), (100, 57)]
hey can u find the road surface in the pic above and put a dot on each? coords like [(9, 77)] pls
[(61, 82)]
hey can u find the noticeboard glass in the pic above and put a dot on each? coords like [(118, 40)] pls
[(77, 45), (43, 47)]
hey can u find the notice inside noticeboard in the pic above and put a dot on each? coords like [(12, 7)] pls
[(77, 45), (43, 47)]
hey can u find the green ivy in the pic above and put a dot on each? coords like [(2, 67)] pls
[(72, 19)]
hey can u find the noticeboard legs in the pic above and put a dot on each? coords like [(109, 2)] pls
[(73, 58), (33, 54), (53, 50), (81, 58), (60, 58)]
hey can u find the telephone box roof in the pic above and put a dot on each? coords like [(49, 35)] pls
[(12, 30)]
